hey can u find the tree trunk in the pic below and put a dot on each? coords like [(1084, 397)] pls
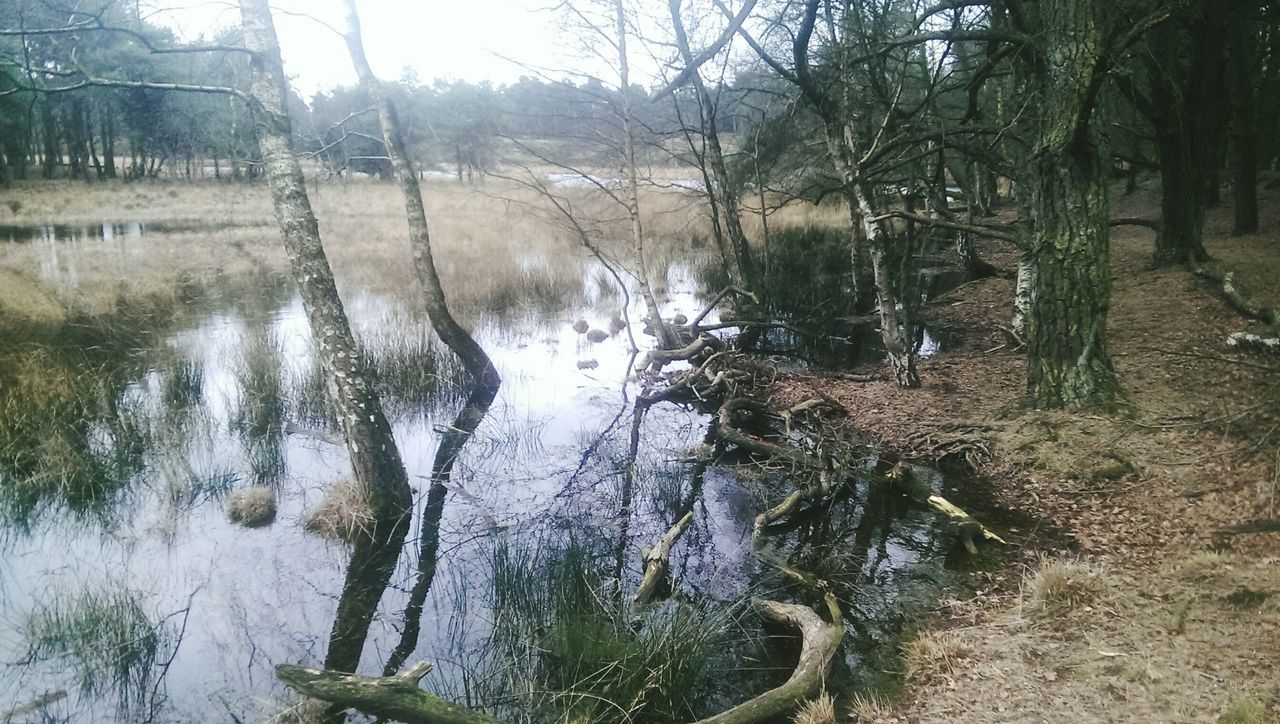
[(1241, 55), (723, 190), (450, 332), (375, 459), (895, 326), (49, 135), (1067, 360), (666, 338), (1187, 70)]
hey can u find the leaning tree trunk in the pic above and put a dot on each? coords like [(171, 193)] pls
[(375, 459), (723, 190), (1067, 360), (450, 332)]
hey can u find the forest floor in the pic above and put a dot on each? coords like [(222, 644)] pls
[(1124, 604)]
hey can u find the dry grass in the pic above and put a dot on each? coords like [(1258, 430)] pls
[(869, 708), (1060, 588), (24, 299), (344, 514), (492, 237), (252, 507), (932, 655), (821, 710)]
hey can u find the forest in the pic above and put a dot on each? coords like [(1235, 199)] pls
[(770, 361)]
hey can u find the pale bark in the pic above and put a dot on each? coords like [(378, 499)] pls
[(391, 697), (657, 558), (450, 332), (375, 459), (666, 338), (820, 641)]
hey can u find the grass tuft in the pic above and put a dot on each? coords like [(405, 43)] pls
[(252, 507), (821, 710), (1063, 587), (104, 638), (932, 655), (344, 515)]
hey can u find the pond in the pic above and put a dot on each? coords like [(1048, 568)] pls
[(126, 592)]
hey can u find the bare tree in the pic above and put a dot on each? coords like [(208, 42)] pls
[(452, 333)]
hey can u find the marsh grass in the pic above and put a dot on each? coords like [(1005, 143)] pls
[(68, 436), (412, 369), (182, 386), (104, 639), (573, 652)]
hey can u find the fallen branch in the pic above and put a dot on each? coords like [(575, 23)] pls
[(919, 490), (816, 491), (1264, 525), (1152, 224), (654, 359), (1236, 298), (656, 559), (390, 697), (820, 641)]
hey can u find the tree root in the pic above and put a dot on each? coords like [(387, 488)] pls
[(656, 560), (820, 641), (390, 697)]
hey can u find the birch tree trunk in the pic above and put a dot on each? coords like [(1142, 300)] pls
[(375, 459), (723, 192), (450, 332), (666, 338)]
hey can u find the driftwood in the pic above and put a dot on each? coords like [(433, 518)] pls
[(388, 697), (809, 493), (728, 432), (654, 359), (919, 490), (656, 559), (820, 641)]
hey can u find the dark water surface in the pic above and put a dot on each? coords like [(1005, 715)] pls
[(125, 586)]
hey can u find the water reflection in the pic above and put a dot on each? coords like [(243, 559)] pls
[(120, 450)]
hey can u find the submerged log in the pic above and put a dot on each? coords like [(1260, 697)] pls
[(389, 697), (820, 641), (656, 559)]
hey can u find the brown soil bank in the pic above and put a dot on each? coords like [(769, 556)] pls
[(1139, 607)]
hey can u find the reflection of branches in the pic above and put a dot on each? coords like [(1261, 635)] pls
[(451, 444)]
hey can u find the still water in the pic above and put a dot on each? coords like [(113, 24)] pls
[(126, 592)]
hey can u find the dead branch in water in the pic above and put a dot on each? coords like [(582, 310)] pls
[(820, 641), (656, 559), (391, 697)]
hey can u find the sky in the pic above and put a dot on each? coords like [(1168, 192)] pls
[(470, 40)]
